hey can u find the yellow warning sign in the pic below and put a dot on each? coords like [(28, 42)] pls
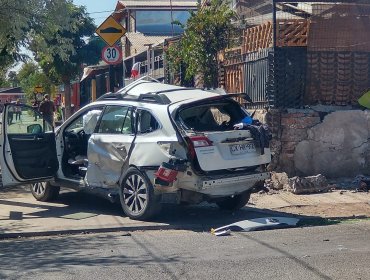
[(110, 31), (38, 89)]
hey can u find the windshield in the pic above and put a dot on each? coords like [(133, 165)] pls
[(213, 116)]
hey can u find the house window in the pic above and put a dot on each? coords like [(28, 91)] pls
[(159, 22)]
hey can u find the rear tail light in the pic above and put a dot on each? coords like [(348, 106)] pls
[(200, 141), (197, 142)]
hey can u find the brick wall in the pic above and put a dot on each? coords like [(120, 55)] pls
[(288, 128)]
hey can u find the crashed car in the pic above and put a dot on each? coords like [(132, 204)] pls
[(147, 144)]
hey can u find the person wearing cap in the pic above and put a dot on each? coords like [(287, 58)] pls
[(47, 109)]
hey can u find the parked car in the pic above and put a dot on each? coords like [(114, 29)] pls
[(144, 145)]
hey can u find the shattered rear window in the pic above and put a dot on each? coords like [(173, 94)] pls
[(211, 117)]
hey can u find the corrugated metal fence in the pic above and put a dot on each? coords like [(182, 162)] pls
[(257, 77)]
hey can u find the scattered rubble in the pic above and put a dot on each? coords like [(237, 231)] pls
[(279, 181), (310, 184), (361, 183), (314, 184)]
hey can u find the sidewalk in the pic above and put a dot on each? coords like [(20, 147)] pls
[(22, 215)]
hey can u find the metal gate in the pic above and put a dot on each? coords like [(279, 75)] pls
[(257, 77)]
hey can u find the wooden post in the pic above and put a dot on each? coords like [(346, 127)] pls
[(93, 90)]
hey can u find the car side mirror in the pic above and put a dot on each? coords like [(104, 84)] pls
[(34, 128)]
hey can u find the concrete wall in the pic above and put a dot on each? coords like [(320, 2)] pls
[(308, 142), (337, 147)]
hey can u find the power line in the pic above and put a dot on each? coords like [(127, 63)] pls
[(111, 11)]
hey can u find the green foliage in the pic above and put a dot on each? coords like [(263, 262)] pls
[(53, 29), (206, 34), (62, 49), (173, 57), (3, 80), (18, 19), (31, 76)]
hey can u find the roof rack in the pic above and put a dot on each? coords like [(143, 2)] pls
[(137, 82), (151, 97), (171, 90), (147, 98)]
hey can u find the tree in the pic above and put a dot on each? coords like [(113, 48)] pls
[(30, 76), (3, 80), (206, 33), (18, 19), (12, 78), (62, 50)]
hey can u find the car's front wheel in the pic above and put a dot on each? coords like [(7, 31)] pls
[(234, 203), (44, 191), (137, 196)]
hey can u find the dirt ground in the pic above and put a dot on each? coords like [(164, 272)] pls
[(335, 204)]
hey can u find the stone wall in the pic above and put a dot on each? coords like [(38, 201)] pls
[(337, 147), (309, 142)]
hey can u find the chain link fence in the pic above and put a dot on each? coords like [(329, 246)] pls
[(297, 53)]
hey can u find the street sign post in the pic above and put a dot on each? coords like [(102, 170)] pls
[(110, 31), (112, 55)]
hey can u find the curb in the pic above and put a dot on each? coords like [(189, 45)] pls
[(16, 235)]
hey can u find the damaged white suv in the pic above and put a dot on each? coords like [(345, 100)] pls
[(147, 144)]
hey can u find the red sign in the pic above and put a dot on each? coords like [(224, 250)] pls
[(112, 55)]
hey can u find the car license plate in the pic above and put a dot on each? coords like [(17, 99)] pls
[(239, 149)]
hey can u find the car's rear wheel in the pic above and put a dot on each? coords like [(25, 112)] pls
[(137, 196), (234, 203), (44, 191)]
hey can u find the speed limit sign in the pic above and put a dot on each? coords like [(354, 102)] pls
[(112, 55)]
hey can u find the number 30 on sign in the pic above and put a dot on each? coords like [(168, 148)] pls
[(112, 55)]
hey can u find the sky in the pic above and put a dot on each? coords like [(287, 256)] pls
[(99, 10)]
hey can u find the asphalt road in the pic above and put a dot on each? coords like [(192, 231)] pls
[(339, 251)]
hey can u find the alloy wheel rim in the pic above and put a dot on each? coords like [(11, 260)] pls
[(135, 194), (38, 188)]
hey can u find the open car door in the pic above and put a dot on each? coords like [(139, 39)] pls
[(28, 147)]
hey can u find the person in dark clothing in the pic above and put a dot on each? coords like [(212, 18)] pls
[(35, 106), (47, 109), (10, 115), (18, 111)]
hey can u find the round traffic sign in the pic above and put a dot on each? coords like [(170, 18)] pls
[(112, 55)]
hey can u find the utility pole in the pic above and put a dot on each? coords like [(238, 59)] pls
[(111, 78), (171, 18), (148, 59), (124, 67)]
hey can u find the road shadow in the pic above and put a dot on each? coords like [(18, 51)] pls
[(199, 218)]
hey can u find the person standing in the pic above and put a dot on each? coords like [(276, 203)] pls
[(47, 109), (18, 111), (10, 114), (35, 106)]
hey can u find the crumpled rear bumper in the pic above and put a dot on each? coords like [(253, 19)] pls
[(222, 186)]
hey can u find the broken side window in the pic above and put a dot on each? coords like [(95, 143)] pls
[(147, 122), (116, 120), (211, 117)]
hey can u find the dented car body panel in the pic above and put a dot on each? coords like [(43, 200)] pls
[(179, 140)]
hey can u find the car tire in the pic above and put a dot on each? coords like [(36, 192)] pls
[(234, 203), (44, 191), (137, 196)]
